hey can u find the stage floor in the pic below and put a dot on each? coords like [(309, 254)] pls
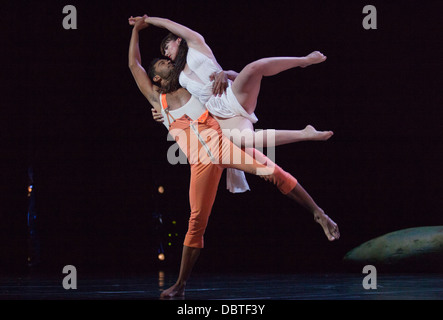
[(228, 287)]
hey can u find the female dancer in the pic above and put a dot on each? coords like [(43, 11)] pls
[(196, 68), (189, 120)]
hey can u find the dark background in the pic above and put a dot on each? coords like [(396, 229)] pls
[(71, 110)]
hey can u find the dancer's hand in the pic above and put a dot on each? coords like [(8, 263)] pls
[(139, 23), (132, 20), (220, 83), (157, 116)]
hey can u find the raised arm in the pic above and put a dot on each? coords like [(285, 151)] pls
[(196, 41), (135, 65), (192, 37)]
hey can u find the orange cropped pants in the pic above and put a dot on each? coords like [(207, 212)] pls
[(209, 153)]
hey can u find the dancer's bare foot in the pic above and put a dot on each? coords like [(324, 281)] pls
[(312, 134), (176, 291), (313, 58), (329, 227)]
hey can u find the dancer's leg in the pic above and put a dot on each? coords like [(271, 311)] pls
[(241, 132), (202, 192), (288, 185), (273, 138), (189, 258), (246, 86), (330, 228)]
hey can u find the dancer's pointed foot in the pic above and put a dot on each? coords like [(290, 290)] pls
[(330, 228), (176, 291), (313, 58), (312, 134)]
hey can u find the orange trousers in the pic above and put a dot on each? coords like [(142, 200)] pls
[(209, 153)]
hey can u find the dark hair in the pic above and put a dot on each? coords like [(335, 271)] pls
[(171, 85), (180, 60), (151, 71)]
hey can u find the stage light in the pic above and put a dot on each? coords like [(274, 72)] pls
[(161, 189), (161, 257), (29, 190)]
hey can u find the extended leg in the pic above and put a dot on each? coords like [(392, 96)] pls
[(288, 185), (241, 132), (246, 86), (330, 228), (273, 138)]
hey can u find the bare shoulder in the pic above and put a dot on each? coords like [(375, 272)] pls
[(178, 98), (184, 94), (204, 49)]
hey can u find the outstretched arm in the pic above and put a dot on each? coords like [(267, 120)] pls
[(193, 38), (138, 72)]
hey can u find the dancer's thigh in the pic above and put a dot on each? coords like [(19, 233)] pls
[(238, 129)]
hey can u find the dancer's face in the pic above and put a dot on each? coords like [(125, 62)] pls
[(163, 69), (171, 48)]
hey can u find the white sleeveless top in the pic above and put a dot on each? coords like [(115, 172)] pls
[(193, 109), (198, 83)]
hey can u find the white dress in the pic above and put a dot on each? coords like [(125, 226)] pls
[(198, 83)]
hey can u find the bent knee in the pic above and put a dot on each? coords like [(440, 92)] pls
[(255, 67)]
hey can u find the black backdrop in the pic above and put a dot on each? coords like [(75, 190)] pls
[(71, 109)]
